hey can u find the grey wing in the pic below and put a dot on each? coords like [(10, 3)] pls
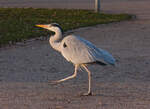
[(79, 50), (99, 54)]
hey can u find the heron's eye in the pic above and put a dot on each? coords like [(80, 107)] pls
[(64, 45), (49, 26)]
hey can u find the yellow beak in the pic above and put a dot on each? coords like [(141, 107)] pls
[(42, 26)]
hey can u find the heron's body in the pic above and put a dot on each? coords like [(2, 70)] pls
[(81, 51), (78, 51)]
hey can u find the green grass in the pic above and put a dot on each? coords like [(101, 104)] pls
[(17, 24)]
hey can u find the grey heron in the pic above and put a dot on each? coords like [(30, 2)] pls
[(78, 51)]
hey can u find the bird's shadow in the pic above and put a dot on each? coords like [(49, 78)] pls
[(101, 95)]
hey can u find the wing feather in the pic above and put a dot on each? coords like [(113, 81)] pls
[(80, 51)]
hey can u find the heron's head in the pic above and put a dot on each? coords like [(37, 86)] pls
[(55, 27)]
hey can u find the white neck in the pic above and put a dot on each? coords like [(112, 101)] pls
[(55, 40)]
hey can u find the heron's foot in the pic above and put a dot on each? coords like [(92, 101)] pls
[(53, 82), (87, 94)]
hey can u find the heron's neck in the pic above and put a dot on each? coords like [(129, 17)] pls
[(55, 40)]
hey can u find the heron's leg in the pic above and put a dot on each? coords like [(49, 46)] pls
[(89, 78), (69, 77)]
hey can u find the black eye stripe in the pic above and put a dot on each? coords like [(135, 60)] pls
[(64, 45), (57, 25)]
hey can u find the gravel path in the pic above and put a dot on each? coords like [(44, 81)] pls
[(26, 69)]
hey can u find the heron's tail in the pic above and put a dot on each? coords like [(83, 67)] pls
[(100, 63)]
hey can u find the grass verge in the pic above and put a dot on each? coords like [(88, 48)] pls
[(18, 24)]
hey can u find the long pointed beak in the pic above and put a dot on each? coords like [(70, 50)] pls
[(42, 26)]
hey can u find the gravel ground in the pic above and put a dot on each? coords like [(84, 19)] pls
[(25, 69)]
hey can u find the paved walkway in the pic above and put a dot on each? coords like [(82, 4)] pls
[(25, 70)]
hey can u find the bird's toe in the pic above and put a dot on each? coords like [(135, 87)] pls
[(86, 94)]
